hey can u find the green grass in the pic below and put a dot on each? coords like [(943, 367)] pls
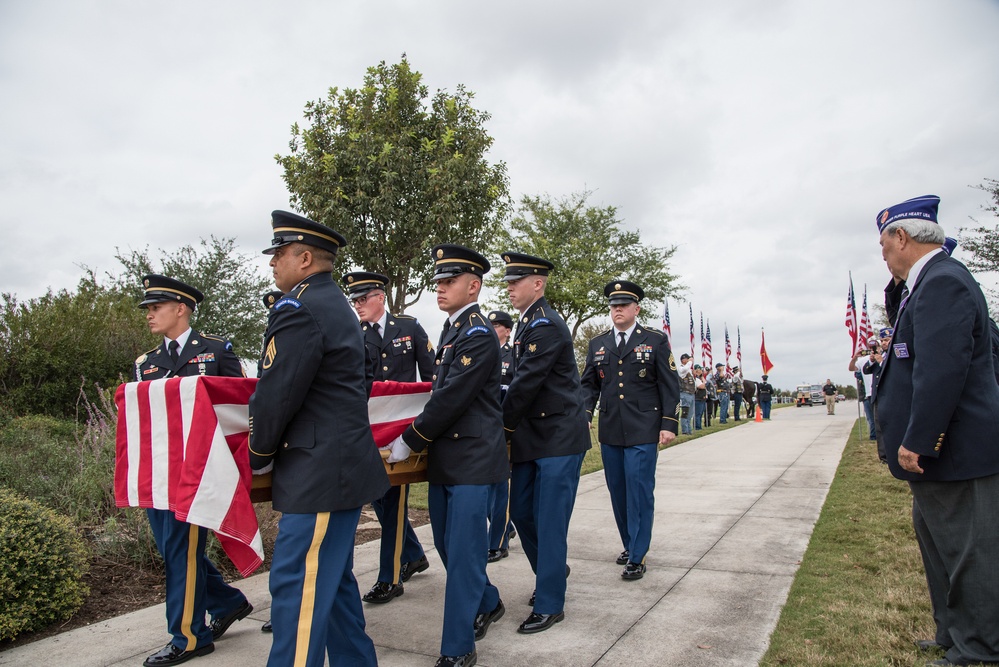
[(859, 597), (592, 462)]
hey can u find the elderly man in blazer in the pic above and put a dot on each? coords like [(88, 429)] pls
[(631, 371), (935, 413)]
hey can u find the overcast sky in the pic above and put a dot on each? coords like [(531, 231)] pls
[(761, 138)]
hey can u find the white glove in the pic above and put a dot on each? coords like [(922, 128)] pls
[(266, 469), (400, 450)]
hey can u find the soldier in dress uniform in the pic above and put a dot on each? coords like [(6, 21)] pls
[(630, 370), (737, 388), (546, 425), (461, 429), (193, 584), (309, 421), (395, 345), (500, 528)]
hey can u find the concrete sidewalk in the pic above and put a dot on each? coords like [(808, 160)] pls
[(734, 513)]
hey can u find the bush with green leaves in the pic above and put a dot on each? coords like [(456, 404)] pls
[(42, 563)]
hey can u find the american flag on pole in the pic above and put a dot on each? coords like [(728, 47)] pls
[(707, 348), (864, 330), (703, 341), (182, 446), (738, 347), (666, 326), (728, 352), (691, 307), (851, 315)]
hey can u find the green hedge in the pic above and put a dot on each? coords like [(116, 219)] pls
[(42, 563)]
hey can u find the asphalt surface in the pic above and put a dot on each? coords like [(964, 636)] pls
[(734, 513)]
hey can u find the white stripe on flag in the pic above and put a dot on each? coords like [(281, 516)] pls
[(188, 391), (158, 421), (212, 501), (233, 418), (132, 429), (396, 407)]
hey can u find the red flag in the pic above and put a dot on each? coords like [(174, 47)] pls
[(764, 359), (182, 446), (666, 326), (707, 348), (691, 307), (728, 352)]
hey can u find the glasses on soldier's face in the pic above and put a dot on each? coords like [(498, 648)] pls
[(361, 300)]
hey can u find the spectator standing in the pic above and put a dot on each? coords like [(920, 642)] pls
[(711, 397), (686, 373), (700, 397), (829, 389), (737, 388), (722, 389), (864, 383)]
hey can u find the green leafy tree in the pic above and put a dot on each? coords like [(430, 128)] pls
[(56, 344), (982, 241), (589, 249), (231, 282), (396, 176)]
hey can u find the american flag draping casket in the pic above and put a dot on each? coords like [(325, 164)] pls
[(182, 446)]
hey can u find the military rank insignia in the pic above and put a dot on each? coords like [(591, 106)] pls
[(269, 354), (532, 348), (465, 360)]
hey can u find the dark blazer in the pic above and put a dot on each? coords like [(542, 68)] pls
[(937, 393), (309, 413), (400, 350), (639, 392), (462, 425), (543, 409), (202, 355), (506, 363)]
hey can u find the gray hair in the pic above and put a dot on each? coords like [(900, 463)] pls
[(920, 231)]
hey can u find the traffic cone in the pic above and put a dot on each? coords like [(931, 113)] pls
[(759, 413)]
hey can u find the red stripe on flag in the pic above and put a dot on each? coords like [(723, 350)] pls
[(145, 446), (121, 454)]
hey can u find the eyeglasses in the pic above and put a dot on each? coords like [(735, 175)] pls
[(361, 300)]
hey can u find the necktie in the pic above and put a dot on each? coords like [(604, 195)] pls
[(376, 328), (174, 355), (901, 304), (447, 327), (620, 344)]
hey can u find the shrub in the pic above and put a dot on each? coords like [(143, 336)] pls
[(42, 563)]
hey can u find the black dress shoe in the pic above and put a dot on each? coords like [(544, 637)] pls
[(413, 567), (498, 554), (633, 571), (222, 623), (466, 660), (623, 558), (539, 622), (267, 627), (929, 645), (383, 592), (174, 655), (482, 621), (512, 533)]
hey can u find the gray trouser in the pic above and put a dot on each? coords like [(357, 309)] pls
[(955, 525)]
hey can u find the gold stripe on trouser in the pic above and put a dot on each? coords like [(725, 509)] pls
[(192, 579), (307, 610), (506, 526), (400, 532)]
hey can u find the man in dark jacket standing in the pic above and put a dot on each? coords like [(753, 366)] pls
[(193, 583), (461, 428), (934, 409), (309, 419), (631, 371), (544, 419), (396, 346)]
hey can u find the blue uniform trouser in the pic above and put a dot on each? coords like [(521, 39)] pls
[(631, 480), (399, 542), (542, 493), (316, 607), (765, 406), (193, 584), (458, 519), (499, 516), (869, 413), (723, 407), (700, 407), (686, 400), (736, 405)]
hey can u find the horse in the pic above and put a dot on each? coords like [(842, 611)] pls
[(749, 394)]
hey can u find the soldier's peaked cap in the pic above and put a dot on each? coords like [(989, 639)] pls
[(160, 288), (452, 260), (519, 265), (362, 282), (293, 228), (623, 291)]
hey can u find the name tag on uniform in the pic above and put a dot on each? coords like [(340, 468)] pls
[(901, 350)]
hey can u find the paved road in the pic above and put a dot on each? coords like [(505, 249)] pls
[(734, 513)]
